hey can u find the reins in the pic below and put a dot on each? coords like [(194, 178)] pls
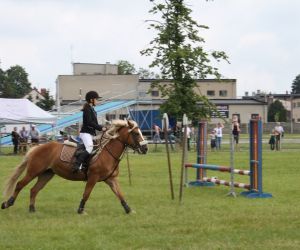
[(114, 157), (134, 147)]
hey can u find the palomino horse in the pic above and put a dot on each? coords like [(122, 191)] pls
[(44, 162)]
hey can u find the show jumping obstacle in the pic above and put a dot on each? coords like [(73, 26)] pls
[(255, 173)]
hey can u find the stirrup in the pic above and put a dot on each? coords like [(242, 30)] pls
[(76, 168)]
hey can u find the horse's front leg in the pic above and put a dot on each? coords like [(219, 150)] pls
[(115, 187), (87, 191)]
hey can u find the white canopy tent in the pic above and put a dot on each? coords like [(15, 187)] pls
[(20, 111), (16, 111)]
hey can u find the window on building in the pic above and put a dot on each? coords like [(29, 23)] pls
[(298, 104), (110, 117), (298, 120), (223, 93), (142, 94), (210, 93), (123, 116), (155, 93), (37, 97)]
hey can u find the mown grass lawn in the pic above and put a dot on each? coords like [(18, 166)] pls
[(207, 218)]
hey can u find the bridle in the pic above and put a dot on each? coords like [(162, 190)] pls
[(136, 144), (136, 147)]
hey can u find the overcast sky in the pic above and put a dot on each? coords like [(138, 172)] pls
[(261, 37)]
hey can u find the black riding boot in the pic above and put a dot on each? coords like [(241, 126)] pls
[(79, 161)]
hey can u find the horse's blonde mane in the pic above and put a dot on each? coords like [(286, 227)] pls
[(116, 124)]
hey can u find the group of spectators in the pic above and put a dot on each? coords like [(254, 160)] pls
[(172, 133), (215, 136), (20, 139), (217, 133)]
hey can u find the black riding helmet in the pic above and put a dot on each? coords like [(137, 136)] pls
[(91, 95)]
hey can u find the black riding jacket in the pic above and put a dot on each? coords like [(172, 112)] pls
[(90, 122)]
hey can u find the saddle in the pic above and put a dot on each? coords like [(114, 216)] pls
[(72, 148)]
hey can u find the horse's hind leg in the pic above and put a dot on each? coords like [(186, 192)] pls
[(115, 187), (43, 179), (20, 185)]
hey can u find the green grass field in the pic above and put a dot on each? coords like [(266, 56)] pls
[(207, 218)]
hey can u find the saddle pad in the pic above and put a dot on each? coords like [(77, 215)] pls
[(67, 153)]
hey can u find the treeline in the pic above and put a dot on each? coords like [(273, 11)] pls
[(14, 83)]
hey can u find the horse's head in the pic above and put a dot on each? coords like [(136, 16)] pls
[(128, 132), (135, 138)]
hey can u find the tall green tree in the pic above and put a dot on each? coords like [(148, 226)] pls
[(179, 54), (296, 85), (14, 82), (47, 103), (277, 112), (125, 68)]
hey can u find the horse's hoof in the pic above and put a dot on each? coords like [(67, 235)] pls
[(80, 211), (31, 209), (83, 213), (3, 206), (132, 212)]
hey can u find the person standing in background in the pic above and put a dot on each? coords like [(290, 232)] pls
[(156, 137), (24, 135), (213, 140), (219, 135), (15, 139), (272, 139), (171, 138), (23, 139), (279, 134), (34, 135), (236, 134)]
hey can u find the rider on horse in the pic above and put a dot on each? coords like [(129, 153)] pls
[(88, 129)]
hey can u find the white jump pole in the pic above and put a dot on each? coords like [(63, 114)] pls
[(165, 129), (183, 159)]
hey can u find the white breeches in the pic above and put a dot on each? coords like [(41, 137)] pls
[(87, 140)]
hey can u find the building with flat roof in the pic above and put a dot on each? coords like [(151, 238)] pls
[(104, 79)]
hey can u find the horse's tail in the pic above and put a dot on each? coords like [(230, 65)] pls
[(10, 184)]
